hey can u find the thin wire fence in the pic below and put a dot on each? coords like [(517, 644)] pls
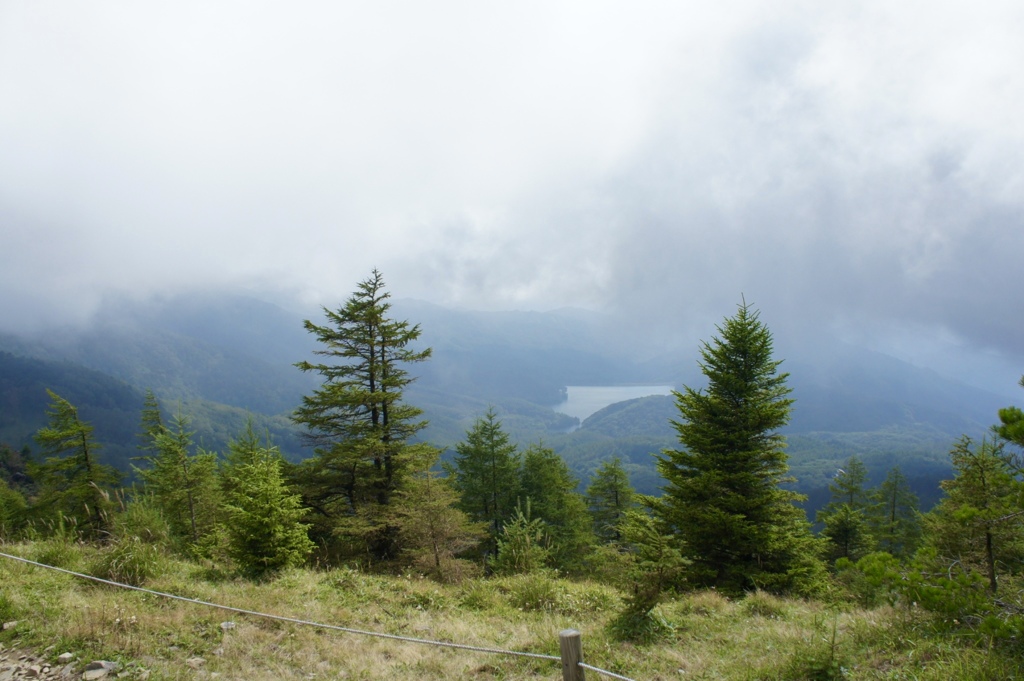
[(321, 625)]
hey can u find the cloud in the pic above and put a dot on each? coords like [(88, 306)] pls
[(847, 165)]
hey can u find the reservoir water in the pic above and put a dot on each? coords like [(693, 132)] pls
[(584, 400)]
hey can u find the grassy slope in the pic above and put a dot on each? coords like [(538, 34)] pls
[(762, 637)]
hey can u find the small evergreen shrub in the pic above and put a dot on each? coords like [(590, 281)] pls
[(521, 545)]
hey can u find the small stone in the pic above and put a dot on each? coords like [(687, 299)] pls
[(10, 625), (195, 662), (94, 674), (64, 658), (33, 671), (227, 626)]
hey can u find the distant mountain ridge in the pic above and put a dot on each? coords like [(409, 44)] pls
[(225, 355)]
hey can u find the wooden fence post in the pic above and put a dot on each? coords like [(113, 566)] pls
[(571, 646)]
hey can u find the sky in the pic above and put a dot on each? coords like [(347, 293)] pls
[(850, 166)]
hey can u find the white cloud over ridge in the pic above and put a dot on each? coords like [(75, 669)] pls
[(856, 165)]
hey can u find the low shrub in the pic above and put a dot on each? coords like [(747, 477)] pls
[(129, 561), (763, 604)]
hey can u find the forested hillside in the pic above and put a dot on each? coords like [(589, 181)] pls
[(221, 358), (653, 498)]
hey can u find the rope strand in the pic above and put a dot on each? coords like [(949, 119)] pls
[(333, 627)]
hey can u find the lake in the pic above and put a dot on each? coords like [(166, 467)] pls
[(584, 400)]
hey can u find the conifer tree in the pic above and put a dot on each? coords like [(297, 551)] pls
[(609, 496), (723, 497), (893, 517), (485, 473), (522, 544), (265, 529), (183, 483), (434, 531), (72, 482), (244, 449), (357, 422), (845, 516), (550, 488), (979, 523), (152, 422), (1011, 429), (847, 486)]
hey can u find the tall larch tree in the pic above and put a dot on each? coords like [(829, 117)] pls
[(358, 424), (723, 497), (72, 482), (485, 473)]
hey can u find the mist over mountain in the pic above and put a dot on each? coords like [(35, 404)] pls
[(221, 357)]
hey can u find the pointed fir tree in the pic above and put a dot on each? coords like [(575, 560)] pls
[(893, 518), (609, 497), (152, 422), (265, 529), (485, 473), (550, 488), (845, 516), (246, 448), (72, 482), (183, 482), (358, 424), (847, 487), (522, 544), (723, 497)]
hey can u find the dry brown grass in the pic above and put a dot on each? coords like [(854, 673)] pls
[(709, 636)]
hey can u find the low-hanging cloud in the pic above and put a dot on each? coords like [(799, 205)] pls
[(853, 165)]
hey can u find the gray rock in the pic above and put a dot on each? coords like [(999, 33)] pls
[(195, 662), (98, 669), (64, 658)]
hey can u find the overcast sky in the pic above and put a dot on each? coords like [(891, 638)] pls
[(856, 166)]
